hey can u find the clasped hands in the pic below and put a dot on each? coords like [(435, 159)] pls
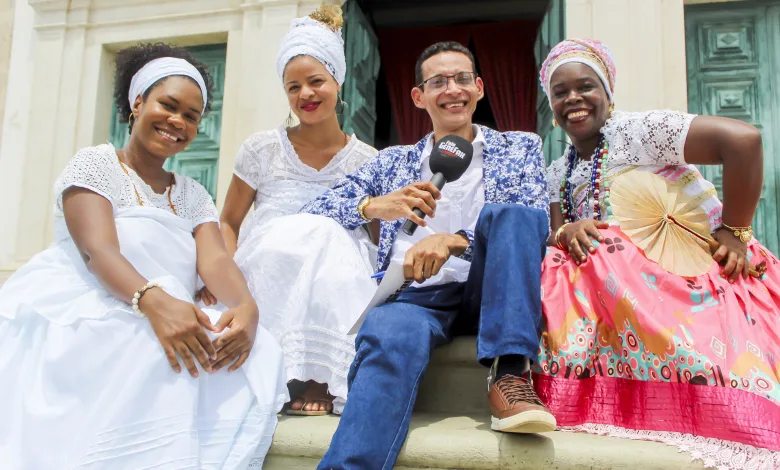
[(181, 329)]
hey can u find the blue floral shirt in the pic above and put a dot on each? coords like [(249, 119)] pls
[(513, 173)]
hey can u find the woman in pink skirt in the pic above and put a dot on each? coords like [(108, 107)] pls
[(631, 349)]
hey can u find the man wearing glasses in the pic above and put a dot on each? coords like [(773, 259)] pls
[(475, 258)]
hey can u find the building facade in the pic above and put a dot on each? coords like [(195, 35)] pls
[(704, 56)]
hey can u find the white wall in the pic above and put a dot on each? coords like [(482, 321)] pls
[(647, 38), (6, 30)]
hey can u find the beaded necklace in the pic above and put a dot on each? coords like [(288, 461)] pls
[(600, 157)]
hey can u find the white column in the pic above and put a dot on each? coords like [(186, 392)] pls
[(254, 96), (647, 38), (13, 154)]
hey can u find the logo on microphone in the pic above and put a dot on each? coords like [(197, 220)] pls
[(449, 148)]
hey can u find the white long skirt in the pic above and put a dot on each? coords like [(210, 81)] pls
[(311, 279), (85, 384)]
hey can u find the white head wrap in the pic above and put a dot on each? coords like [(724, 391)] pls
[(308, 36), (160, 68), (592, 63)]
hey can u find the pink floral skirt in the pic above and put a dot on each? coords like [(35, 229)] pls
[(634, 351)]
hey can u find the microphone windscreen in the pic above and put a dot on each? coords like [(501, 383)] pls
[(451, 156)]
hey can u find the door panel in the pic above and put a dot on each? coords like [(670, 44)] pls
[(359, 91), (732, 54), (551, 31), (200, 160)]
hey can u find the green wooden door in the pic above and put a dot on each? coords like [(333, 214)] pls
[(551, 31), (200, 160), (733, 54), (359, 90)]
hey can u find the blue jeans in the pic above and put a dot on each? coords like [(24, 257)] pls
[(502, 305)]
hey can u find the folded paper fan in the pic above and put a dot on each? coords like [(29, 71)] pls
[(665, 222)]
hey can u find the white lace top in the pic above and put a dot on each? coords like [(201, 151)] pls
[(270, 156), (649, 141), (267, 162), (98, 169)]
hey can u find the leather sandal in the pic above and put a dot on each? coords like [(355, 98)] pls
[(303, 412)]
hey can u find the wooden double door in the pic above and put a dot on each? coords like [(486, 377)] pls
[(733, 55)]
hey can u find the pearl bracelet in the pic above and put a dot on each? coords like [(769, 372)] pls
[(137, 296)]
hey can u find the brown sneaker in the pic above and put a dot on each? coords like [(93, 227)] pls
[(516, 407)]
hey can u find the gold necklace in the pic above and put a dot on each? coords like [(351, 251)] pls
[(138, 196)]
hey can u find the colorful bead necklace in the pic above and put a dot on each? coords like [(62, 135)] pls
[(600, 156)]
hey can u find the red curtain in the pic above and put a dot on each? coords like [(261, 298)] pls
[(505, 55), (508, 68), (399, 49)]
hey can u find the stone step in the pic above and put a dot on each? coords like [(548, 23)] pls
[(454, 382), (441, 441)]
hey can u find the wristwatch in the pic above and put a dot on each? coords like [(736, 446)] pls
[(362, 207)]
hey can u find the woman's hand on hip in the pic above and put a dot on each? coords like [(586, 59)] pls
[(576, 238), (235, 345), (732, 255), (179, 327)]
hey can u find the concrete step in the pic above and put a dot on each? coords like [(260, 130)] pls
[(440, 441), (454, 383)]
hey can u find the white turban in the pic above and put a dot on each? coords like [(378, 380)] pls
[(309, 37), (160, 68)]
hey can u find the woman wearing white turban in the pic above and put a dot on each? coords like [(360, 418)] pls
[(105, 362), (310, 277)]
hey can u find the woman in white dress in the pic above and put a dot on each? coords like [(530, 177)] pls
[(310, 277), (96, 329)]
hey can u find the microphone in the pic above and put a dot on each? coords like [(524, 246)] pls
[(450, 158)]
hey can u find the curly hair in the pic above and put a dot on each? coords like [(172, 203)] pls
[(130, 60)]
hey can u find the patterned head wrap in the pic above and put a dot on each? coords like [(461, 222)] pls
[(590, 52), (319, 36)]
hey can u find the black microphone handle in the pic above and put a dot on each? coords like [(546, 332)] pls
[(409, 226)]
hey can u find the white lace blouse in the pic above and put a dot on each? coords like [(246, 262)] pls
[(270, 156), (99, 170), (649, 141), (268, 163)]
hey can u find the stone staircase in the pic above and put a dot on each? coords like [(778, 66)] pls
[(451, 430)]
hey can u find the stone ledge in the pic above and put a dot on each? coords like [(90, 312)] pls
[(466, 442)]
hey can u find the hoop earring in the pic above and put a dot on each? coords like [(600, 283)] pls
[(554, 123), (289, 122), (343, 106), (130, 122)]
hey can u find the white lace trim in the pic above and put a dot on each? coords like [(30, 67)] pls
[(98, 169), (713, 453)]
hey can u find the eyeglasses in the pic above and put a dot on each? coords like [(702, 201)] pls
[(438, 82)]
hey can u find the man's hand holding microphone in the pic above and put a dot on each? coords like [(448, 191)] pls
[(449, 159)]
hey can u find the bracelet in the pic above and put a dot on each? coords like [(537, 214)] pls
[(137, 296), (743, 233), (362, 207), (558, 236)]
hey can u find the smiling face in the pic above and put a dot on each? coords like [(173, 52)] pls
[(579, 101), (451, 107), (311, 90), (167, 119)]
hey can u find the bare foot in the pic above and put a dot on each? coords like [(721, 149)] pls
[(314, 398)]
